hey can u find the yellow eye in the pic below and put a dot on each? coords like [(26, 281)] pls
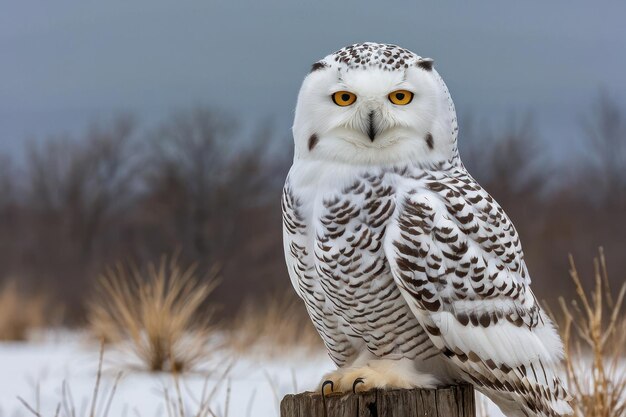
[(401, 97), (343, 98)]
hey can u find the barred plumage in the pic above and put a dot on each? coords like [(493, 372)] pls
[(412, 273)]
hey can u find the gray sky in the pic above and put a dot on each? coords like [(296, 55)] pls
[(65, 64)]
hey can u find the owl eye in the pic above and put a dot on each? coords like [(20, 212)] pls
[(343, 98), (401, 97)]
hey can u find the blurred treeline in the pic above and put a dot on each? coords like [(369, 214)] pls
[(202, 186)]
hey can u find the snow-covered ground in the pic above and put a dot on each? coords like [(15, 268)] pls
[(252, 387)]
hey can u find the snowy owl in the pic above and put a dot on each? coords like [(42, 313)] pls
[(412, 274)]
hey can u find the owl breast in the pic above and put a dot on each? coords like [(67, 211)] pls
[(352, 271)]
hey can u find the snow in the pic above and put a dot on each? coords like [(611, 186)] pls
[(253, 387)]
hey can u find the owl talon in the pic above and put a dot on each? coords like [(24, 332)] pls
[(357, 382), (332, 387)]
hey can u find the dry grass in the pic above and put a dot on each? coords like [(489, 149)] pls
[(208, 404), (66, 403), (273, 326), (160, 314), (20, 313), (176, 406), (594, 335)]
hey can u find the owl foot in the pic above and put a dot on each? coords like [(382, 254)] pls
[(384, 374)]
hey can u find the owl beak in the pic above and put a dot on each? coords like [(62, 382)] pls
[(371, 126)]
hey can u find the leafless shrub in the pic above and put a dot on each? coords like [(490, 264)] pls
[(7, 178), (508, 163), (20, 313), (158, 313), (201, 173), (594, 335), (272, 326), (603, 165), (82, 181), (211, 187), (76, 193)]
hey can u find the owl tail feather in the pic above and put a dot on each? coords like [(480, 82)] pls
[(516, 405), (531, 390)]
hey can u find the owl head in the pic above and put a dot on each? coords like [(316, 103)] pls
[(373, 103)]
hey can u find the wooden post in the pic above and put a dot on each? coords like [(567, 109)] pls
[(453, 401)]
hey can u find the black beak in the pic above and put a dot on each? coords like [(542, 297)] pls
[(371, 132)]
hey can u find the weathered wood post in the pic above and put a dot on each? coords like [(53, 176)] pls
[(453, 401)]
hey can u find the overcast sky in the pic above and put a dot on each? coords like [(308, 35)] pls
[(65, 64)]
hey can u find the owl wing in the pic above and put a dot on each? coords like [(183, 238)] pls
[(458, 262), (304, 278)]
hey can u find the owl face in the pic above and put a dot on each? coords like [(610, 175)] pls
[(371, 104)]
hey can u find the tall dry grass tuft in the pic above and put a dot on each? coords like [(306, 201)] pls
[(20, 313), (272, 326), (594, 336), (160, 314)]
